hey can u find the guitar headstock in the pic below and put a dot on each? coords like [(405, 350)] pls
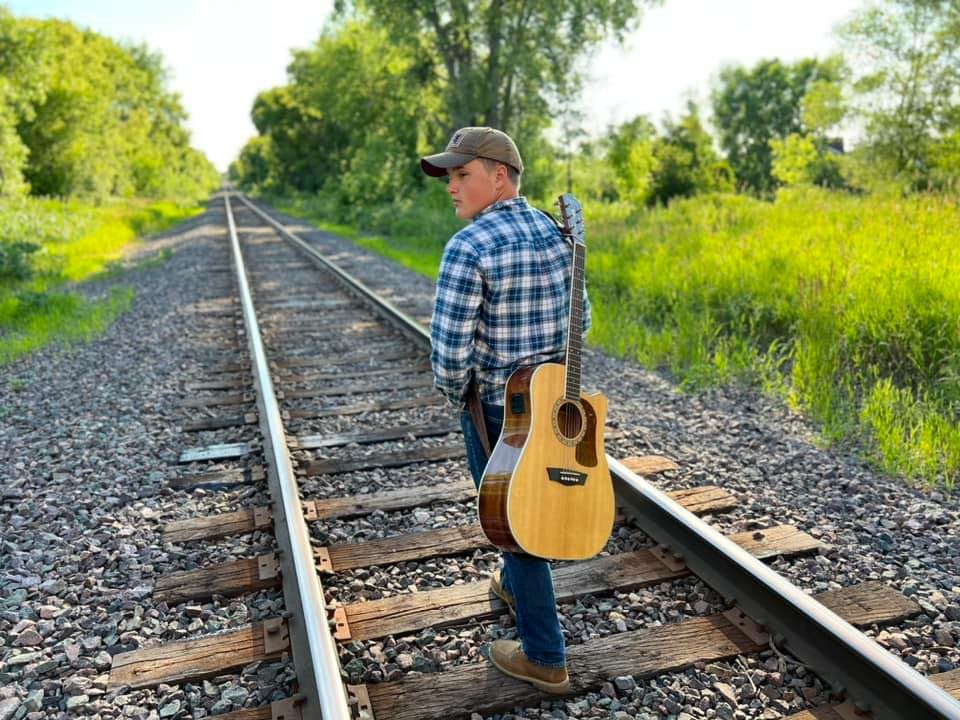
[(572, 214)]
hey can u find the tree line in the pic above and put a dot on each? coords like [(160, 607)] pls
[(83, 116), (388, 81)]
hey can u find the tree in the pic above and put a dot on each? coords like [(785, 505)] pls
[(794, 159), (686, 163), (945, 172), (501, 62), (13, 153), (906, 56), (629, 150), (300, 149), (812, 156), (349, 122), (82, 115), (253, 167), (591, 175), (752, 107), (21, 84), (652, 168)]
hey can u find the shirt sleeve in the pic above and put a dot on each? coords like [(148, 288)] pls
[(453, 326)]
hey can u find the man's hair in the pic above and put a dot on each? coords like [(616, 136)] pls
[(512, 173)]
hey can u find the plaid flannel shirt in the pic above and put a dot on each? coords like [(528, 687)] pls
[(502, 300)]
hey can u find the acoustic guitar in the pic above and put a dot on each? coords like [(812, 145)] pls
[(546, 490)]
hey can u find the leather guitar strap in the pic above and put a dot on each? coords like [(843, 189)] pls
[(476, 414)]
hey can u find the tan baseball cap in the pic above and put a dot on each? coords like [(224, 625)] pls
[(470, 143)]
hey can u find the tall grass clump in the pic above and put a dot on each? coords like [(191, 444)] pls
[(849, 307), (47, 246)]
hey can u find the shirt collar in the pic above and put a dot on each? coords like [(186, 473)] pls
[(511, 204)]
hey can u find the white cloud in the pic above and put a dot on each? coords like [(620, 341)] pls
[(224, 54), (680, 47)]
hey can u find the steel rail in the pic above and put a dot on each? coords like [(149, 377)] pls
[(314, 649), (855, 665)]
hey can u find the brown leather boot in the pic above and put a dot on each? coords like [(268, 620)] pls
[(507, 656), (501, 593)]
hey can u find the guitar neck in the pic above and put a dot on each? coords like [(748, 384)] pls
[(575, 323)]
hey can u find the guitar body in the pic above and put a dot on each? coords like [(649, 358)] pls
[(546, 489)]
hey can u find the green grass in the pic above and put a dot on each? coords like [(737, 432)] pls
[(847, 308), (157, 260), (73, 242), (396, 232), (62, 316)]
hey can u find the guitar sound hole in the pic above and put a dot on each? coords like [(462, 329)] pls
[(569, 420)]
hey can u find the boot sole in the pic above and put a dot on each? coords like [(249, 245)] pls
[(560, 688)]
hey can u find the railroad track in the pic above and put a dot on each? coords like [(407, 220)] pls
[(366, 475)]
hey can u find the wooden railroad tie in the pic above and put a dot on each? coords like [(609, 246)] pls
[(200, 658), (221, 451), (316, 442), (230, 476), (313, 442), (382, 386), (948, 681), (221, 422), (330, 320), (344, 325), (268, 307), (398, 370), (217, 526), (372, 330), (432, 400), (246, 398), (380, 352)]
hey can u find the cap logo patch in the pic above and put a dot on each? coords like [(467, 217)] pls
[(456, 139)]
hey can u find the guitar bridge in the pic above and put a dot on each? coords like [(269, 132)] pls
[(566, 477)]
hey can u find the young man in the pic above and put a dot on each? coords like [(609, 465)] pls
[(502, 302)]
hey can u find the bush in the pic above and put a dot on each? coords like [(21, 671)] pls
[(15, 260), (47, 244)]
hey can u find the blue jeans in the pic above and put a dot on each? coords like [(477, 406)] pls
[(525, 577)]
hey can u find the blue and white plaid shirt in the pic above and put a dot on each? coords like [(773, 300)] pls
[(502, 300)]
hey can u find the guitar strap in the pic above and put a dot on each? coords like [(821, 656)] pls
[(475, 407), (557, 223)]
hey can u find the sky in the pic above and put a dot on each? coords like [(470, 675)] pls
[(221, 53)]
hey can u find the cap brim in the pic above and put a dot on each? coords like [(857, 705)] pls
[(437, 165)]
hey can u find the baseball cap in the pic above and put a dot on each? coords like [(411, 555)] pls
[(470, 143)]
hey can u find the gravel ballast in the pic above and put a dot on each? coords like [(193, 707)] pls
[(88, 443)]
